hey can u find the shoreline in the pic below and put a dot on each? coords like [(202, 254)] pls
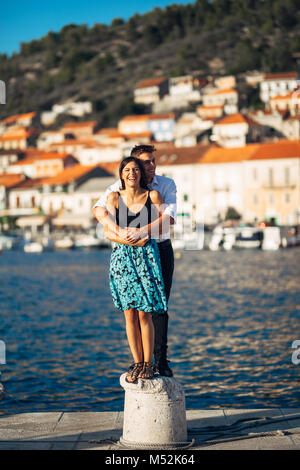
[(221, 429)]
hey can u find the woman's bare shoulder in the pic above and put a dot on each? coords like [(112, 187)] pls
[(155, 197), (112, 198)]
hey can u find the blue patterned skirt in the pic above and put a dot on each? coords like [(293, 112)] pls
[(135, 278)]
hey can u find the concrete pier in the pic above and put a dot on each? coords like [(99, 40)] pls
[(268, 429)]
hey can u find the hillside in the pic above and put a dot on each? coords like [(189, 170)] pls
[(103, 63)]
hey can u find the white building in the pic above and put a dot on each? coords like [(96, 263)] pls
[(272, 183), (231, 131), (151, 90), (77, 109), (7, 157), (227, 97), (277, 84)]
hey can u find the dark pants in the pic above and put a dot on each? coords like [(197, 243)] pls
[(160, 321)]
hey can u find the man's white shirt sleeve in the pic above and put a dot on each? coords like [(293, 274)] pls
[(169, 198), (102, 200)]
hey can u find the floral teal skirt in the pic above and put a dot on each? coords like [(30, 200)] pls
[(135, 278)]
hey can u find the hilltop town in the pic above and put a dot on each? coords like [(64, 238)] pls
[(226, 159)]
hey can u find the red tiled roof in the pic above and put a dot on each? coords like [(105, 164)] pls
[(111, 167), (24, 161), (109, 132), (43, 156), (137, 135), (224, 91), (278, 76), (295, 94), (29, 183), (236, 118), (10, 180), (281, 97), (208, 108), (228, 155), (150, 82), (68, 175), (17, 117), (73, 142), (171, 155), (52, 156), (18, 134), (148, 117), (281, 149), (80, 124)]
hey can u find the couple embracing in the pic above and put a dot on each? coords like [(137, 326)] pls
[(137, 211)]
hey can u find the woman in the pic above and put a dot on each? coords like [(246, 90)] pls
[(135, 272)]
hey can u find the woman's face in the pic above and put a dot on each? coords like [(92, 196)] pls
[(131, 175)]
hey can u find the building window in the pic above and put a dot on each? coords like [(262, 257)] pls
[(185, 197), (287, 197), (254, 174), (287, 176), (255, 199), (271, 177), (271, 198)]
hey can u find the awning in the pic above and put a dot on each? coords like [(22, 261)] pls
[(84, 222), (31, 221)]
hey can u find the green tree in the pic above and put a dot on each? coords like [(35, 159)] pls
[(117, 22), (232, 214), (132, 29), (51, 59), (152, 35)]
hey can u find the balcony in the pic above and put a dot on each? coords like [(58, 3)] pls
[(278, 186), (221, 188)]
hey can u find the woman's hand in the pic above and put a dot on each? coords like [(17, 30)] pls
[(132, 234), (141, 242)]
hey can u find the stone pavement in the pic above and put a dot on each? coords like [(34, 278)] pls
[(222, 429)]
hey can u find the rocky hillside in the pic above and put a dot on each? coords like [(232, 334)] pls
[(103, 63)]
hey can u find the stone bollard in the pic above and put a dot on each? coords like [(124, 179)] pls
[(154, 414)]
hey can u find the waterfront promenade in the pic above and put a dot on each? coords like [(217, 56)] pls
[(221, 429)]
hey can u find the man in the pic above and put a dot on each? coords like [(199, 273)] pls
[(167, 188)]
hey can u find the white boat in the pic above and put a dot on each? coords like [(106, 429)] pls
[(248, 237), (178, 244), (216, 238), (33, 247), (87, 241), (64, 243), (271, 238), (38, 245), (228, 238), (8, 242), (189, 240), (47, 243)]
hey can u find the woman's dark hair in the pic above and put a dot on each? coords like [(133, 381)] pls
[(124, 162)]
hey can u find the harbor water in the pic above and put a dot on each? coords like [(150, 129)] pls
[(233, 318)]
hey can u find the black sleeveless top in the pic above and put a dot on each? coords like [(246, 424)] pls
[(126, 218)]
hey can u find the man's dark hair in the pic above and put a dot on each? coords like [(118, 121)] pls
[(139, 149), (124, 162)]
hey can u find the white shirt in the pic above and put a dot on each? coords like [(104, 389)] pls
[(165, 186)]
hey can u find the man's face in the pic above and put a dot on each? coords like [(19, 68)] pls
[(148, 162)]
